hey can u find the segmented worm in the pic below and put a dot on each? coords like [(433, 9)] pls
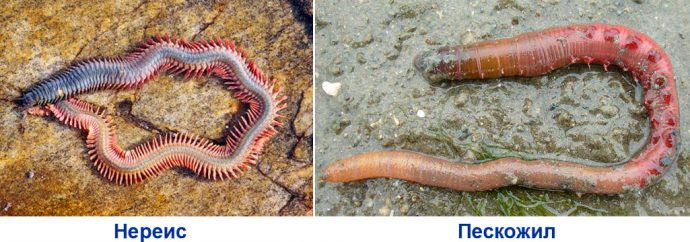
[(210, 57), (533, 54)]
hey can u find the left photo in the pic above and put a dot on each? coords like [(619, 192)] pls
[(156, 108)]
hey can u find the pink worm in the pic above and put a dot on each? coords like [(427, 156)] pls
[(533, 54)]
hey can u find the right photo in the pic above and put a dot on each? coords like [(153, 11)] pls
[(501, 108)]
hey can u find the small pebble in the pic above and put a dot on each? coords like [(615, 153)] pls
[(467, 37), (335, 70), (384, 211), (404, 209), (565, 119), (331, 88), (30, 174), (609, 110), (392, 54), (368, 202), (469, 155), (420, 113), (461, 99), (360, 58), (376, 123)]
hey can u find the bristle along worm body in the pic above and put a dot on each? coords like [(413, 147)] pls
[(217, 57)]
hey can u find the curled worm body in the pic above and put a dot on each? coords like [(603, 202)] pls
[(533, 54), (220, 58)]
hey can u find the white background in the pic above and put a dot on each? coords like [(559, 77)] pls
[(209, 229)]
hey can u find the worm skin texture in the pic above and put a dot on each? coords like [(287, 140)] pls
[(220, 58), (533, 54)]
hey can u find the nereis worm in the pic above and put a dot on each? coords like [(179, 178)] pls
[(533, 54), (211, 57)]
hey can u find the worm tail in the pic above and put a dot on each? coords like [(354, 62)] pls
[(541, 174)]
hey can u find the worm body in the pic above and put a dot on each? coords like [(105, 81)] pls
[(219, 58), (533, 54)]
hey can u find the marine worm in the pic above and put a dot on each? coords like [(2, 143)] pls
[(220, 58), (533, 54)]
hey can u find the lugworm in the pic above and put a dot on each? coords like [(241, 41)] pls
[(533, 54), (216, 57)]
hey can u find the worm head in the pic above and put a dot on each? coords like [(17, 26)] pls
[(438, 65), (27, 100)]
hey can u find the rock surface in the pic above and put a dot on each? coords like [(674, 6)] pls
[(44, 169)]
